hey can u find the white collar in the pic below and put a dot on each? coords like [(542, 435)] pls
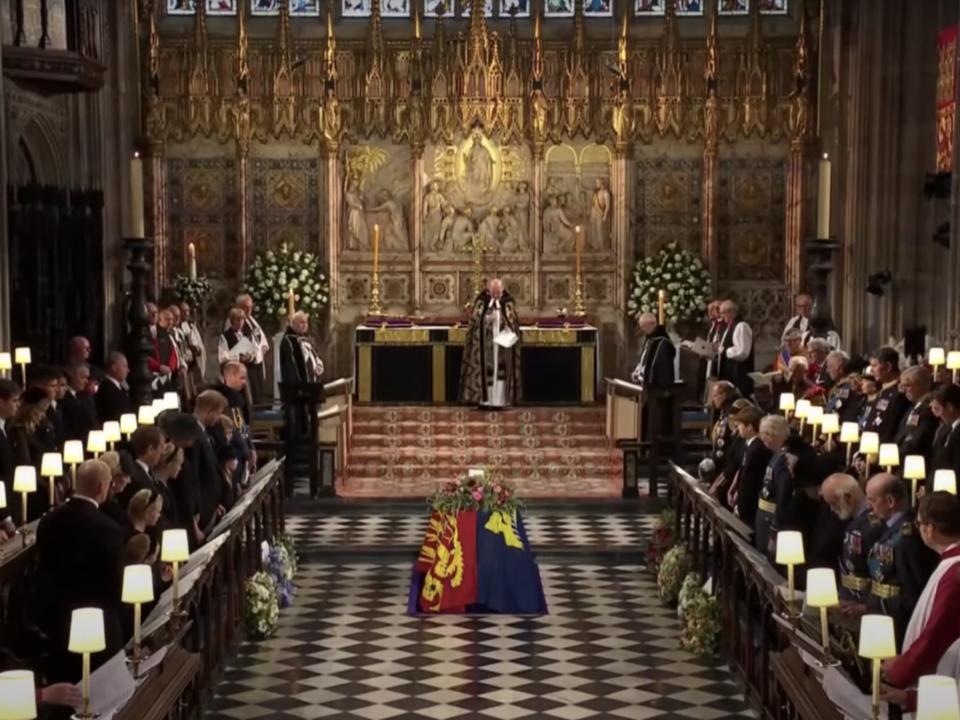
[(3, 424), (116, 382), (87, 499), (750, 440), (142, 464)]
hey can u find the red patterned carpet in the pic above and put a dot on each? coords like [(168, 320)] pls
[(401, 452)]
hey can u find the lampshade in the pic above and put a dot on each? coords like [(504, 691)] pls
[(137, 584), (73, 452), (889, 455), (787, 401), (937, 356), (51, 465), (945, 480), (86, 631), (111, 431), (21, 355), (3, 494), (18, 695), (173, 546), (937, 698), (869, 443), (171, 401), (145, 415), (6, 362), (789, 548), (815, 414), (128, 423), (25, 479), (914, 467), (822, 588), (953, 360), (830, 424), (158, 405), (802, 409), (96, 442), (849, 432), (876, 637)]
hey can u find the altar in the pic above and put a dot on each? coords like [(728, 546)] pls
[(421, 364)]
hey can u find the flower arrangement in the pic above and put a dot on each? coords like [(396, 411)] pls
[(692, 585), (701, 630), (280, 567), (673, 570), (273, 275), (680, 274), (662, 539), (475, 492), (261, 607), (287, 541), (195, 291)]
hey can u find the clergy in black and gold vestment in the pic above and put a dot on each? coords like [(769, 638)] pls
[(490, 373)]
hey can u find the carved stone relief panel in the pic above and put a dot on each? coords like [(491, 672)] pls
[(377, 192), (577, 193), (203, 210), (668, 203), (286, 204), (750, 218)]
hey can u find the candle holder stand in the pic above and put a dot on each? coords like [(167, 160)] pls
[(139, 344), (578, 309), (375, 307)]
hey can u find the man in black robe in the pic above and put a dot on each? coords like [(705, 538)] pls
[(657, 373), (490, 372)]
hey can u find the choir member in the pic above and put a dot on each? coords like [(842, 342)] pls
[(803, 306), (251, 330), (164, 362)]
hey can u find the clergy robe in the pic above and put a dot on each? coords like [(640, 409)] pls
[(490, 374)]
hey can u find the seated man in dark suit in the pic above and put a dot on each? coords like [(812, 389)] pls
[(78, 410), (9, 402), (148, 445), (113, 396), (945, 404), (80, 564)]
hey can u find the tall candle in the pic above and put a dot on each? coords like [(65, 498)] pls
[(376, 249), (192, 252), (291, 303), (662, 307), (578, 247), (136, 197), (823, 199)]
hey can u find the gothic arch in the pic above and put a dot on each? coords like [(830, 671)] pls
[(39, 154)]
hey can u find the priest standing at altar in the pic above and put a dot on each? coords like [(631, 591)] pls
[(490, 372)]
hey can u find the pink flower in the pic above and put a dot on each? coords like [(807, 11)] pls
[(497, 489), (478, 494)]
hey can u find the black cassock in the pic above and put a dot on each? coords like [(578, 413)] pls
[(656, 371), (480, 375)]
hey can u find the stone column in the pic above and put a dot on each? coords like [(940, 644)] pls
[(156, 199), (621, 176), (416, 226), (5, 339), (243, 210), (793, 251), (708, 219), (331, 197)]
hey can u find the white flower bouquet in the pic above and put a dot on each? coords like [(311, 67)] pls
[(274, 274), (197, 292), (261, 606), (682, 276)]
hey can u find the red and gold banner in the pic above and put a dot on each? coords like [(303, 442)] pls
[(448, 558), (946, 97)]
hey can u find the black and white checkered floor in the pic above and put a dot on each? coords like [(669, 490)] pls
[(607, 649)]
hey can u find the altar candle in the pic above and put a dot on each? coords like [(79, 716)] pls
[(192, 253), (823, 199), (661, 306), (291, 303), (376, 248), (578, 241), (136, 196)]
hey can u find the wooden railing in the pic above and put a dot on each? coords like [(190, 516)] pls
[(760, 630), (213, 603)]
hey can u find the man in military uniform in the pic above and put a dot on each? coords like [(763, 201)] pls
[(891, 404), (844, 397), (845, 497), (777, 484), (722, 396), (919, 425), (899, 563)]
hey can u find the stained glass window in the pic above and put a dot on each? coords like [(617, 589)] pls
[(487, 7), (658, 7), (298, 8), (522, 7), (741, 7)]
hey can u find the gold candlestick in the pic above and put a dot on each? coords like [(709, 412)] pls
[(578, 292), (375, 307)]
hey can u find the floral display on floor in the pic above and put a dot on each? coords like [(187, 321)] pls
[(701, 618), (261, 606), (275, 274), (682, 276), (280, 564), (662, 539), (674, 568)]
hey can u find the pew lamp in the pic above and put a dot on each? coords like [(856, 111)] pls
[(787, 403), (3, 495), (869, 446), (86, 637), (171, 401), (876, 644), (96, 443), (914, 469), (889, 456), (936, 357), (174, 550), (145, 415), (790, 553), (830, 426), (6, 364), (111, 433), (137, 589), (953, 363), (822, 594), (936, 698), (73, 456), (24, 482), (945, 481), (128, 423), (801, 411), (849, 434), (815, 419), (21, 356), (18, 695), (51, 467), (158, 405)]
